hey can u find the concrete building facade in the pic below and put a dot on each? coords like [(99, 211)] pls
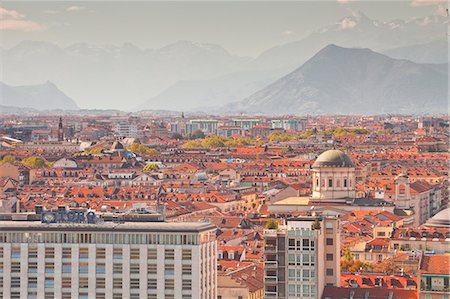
[(302, 257), (108, 260)]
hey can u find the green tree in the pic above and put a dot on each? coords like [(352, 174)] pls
[(151, 167), (316, 224), (8, 159), (271, 224), (138, 148), (35, 162), (347, 254)]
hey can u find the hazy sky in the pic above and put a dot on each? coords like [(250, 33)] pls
[(243, 28)]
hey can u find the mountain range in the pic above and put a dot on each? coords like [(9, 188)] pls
[(341, 80), (40, 97), (196, 76)]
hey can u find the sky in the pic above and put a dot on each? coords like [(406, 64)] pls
[(243, 28)]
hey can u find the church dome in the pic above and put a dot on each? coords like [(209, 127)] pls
[(441, 219), (333, 158)]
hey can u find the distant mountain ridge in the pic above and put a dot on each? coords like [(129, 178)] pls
[(41, 97), (198, 75), (341, 80), (356, 30)]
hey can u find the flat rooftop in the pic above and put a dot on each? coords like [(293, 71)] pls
[(35, 226)]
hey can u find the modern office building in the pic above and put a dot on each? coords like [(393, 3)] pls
[(125, 256), (126, 129), (302, 257), (208, 126)]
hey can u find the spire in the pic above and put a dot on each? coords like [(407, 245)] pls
[(60, 130)]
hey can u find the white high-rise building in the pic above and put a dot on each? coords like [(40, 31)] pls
[(125, 259), (302, 257)]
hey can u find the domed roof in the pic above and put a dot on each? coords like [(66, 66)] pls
[(441, 219), (333, 158)]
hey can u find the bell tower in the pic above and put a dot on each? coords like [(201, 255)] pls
[(60, 130)]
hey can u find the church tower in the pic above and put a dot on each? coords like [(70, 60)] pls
[(60, 130)]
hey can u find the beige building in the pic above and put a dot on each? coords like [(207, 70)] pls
[(301, 258), (132, 258), (333, 176)]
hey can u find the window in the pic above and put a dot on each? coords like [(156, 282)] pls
[(117, 268), (305, 291), (15, 282), (83, 282), (187, 254), (134, 283), (134, 253), (152, 254), (169, 270), (100, 282), (187, 284), (15, 267), (152, 284), (330, 183), (117, 283), (100, 253), (305, 244), (49, 283), (169, 284), (32, 252), (329, 241), (66, 282), (49, 253), (32, 282), (345, 183), (291, 274), (15, 252), (67, 253), (169, 254), (186, 269), (381, 234), (151, 269), (330, 272), (49, 268), (100, 268), (32, 267), (329, 256), (134, 269), (117, 253), (83, 268), (84, 253), (306, 275)]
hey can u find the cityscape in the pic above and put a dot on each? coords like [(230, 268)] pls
[(305, 155)]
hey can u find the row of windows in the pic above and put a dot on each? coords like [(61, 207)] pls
[(100, 283), (84, 295), (346, 183), (302, 274), (302, 291), (301, 244), (100, 268), (106, 238), (304, 259), (100, 253)]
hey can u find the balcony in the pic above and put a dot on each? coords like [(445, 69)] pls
[(270, 248), (269, 294), (271, 265), (432, 289), (270, 280)]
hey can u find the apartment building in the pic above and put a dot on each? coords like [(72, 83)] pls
[(302, 257), (135, 257)]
